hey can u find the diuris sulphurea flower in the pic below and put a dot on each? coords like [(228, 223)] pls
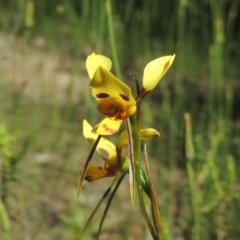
[(117, 103), (109, 152), (114, 97)]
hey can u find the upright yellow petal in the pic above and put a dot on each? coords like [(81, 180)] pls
[(94, 61), (155, 70), (104, 84), (108, 126), (114, 96), (105, 148)]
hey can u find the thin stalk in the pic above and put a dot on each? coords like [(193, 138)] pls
[(131, 164), (216, 61), (137, 166), (4, 219), (119, 180), (112, 40), (181, 39), (190, 156), (98, 205), (155, 206), (128, 11), (191, 181), (83, 173), (213, 166)]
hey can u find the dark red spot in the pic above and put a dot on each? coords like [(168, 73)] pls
[(107, 129), (102, 95), (124, 97)]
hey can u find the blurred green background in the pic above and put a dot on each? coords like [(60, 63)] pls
[(44, 96)]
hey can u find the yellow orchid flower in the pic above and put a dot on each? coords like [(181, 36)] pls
[(105, 148), (108, 151), (114, 97)]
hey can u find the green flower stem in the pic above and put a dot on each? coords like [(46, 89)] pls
[(105, 195), (4, 220), (112, 40), (190, 156), (83, 173), (137, 166), (157, 219), (194, 200), (118, 180), (131, 164)]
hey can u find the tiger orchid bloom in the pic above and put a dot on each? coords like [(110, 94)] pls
[(108, 152), (114, 97)]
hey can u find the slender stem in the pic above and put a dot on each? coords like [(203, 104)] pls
[(83, 173), (137, 166), (97, 206), (131, 164), (194, 199), (112, 39), (190, 157), (4, 219), (155, 206), (119, 180)]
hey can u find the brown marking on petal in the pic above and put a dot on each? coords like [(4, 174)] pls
[(121, 114), (156, 134), (107, 108), (104, 154), (126, 98), (95, 173), (107, 129), (125, 112), (113, 170), (102, 95)]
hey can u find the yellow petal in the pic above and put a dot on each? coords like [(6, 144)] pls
[(148, 133), (106, 87), (108, 126), (94, 61), (105, 148), (144, 134), (155, 70), (94, 173)]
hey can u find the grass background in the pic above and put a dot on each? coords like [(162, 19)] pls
[(44, 96)]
